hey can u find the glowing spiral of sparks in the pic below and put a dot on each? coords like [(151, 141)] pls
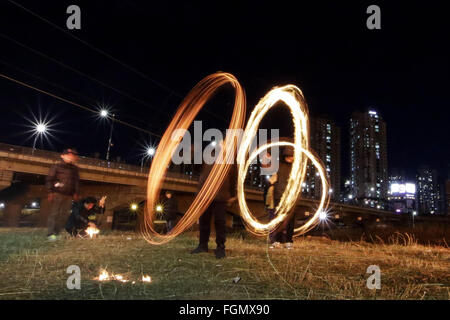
[(294, 99), (183, 118), (185, 115)]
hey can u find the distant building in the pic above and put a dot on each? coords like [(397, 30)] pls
[(325, 141), (368, 160), (429, 197), (402, 195)]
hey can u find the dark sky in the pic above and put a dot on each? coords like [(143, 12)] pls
[(324, 47)]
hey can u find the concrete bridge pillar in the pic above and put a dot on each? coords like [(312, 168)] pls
[(5, 179), (12, 214)]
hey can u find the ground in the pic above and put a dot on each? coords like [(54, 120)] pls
[(317, 268)]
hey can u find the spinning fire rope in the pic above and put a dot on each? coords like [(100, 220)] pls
[(294, 99), (185, 115), (183, 118)]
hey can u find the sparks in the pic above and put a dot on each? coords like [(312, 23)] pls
[(182, 120), (91, 231), (294, 99)]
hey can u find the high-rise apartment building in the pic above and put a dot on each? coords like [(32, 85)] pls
[(368, 159), (429, 197), (325, 140)]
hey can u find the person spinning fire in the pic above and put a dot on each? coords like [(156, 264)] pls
[(83, 215)]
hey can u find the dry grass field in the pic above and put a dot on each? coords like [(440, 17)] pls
[(317, 268)]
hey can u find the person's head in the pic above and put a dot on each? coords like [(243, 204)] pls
[(288, 154), (69, 155), (168, 194), (89, 202)]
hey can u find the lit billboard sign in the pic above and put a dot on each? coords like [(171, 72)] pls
[(403, 188)]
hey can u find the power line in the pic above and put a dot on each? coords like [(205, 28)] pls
[(172, 92), (92, 100), (79, 72), (77, 105), (97, 50)]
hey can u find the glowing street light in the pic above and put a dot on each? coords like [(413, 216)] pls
[(149, 153), (40, 129), (323, 216), (104, 113), (159, 208), (134, 206)]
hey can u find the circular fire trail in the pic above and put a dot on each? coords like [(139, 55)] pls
[(183, 118), (185, 115), (293, 97)]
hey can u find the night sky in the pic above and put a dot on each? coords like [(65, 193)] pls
[(402, 70)]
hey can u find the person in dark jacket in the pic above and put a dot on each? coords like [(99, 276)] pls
[(224, 198), (83, 215), (62, 184), (170, 209), (284, 233)]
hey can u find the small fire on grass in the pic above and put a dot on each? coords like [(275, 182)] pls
[(106, 276), (91, 231)]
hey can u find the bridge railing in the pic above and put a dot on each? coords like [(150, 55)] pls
[(51, 155)]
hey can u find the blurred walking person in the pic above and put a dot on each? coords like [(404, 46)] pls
[(63, 185), (283, 235), (170, 209)]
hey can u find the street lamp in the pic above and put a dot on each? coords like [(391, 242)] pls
[(149, 153), (105, 114), (40, 129)]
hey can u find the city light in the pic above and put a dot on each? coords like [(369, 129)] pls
[(323, 216), (159, 208), (41, 128), (104, 113), (134, 206), (34, 204), (150, 151), (2, 205), (350, 196), (415, 213)]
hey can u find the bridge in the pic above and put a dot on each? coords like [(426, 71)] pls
[(125, 184)]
